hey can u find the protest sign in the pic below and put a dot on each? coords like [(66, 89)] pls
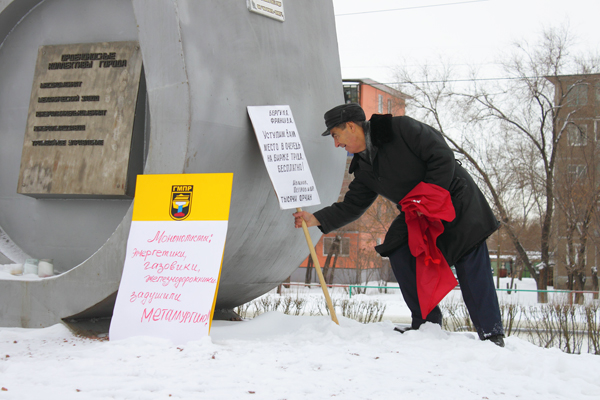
[(174, 256), (284, 156), (288, 169)]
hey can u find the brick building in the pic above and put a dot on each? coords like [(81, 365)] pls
[(577, 181)]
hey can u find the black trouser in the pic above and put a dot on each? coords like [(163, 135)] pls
[(474, 273)]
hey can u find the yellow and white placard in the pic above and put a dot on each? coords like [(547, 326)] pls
[(174, 257), (284, 156)]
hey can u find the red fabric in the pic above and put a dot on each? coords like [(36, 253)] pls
[(434, 276)]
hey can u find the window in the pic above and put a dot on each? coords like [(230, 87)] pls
[(577, 171), (389, 110), (597, 129), (351, 93), (380, 104), (577, 135), (577, 95), (344, 249)]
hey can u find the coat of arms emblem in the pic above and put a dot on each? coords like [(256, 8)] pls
[(181, 201)]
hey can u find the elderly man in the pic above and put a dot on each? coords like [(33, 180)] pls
[(400, 158)]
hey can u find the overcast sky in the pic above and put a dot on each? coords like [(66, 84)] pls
[(474, 32)]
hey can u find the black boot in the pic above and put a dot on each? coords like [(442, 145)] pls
[(498, 340), (403, 329)]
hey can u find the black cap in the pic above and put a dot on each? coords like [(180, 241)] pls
[(343, 113)]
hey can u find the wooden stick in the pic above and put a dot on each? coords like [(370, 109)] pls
[(313, 254)]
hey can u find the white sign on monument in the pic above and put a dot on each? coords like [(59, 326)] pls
[(284, 156)]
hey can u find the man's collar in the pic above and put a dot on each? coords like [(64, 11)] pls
[(365, 158), (368, 154)]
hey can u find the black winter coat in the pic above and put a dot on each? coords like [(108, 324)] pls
[(408, 152)]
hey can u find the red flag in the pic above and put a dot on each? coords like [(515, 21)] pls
[(434, 276)]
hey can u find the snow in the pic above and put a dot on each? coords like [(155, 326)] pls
[(277, 356), (10, 249)]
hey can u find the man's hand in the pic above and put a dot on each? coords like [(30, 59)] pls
[(307, 217)]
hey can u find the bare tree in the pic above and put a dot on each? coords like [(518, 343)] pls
[(332, 252), (363, 268), (595, 282), (436, 96), (508, 131), (376, 222), (309, 268)]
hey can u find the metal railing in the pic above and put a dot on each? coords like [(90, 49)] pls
[(350, 287), (369, 287)]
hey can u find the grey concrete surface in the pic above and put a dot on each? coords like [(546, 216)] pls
[(204, 62)]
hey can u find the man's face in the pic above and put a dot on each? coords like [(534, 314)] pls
[(351, 138)]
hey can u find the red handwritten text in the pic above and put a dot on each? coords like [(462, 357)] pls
[(174, 266), (162, 237), (158, 253), (170, 315), (149, 296), (177, 280)]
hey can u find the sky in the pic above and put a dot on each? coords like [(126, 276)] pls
[(469, 32), (276, 356)]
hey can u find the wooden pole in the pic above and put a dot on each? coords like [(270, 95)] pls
[(313, 254)]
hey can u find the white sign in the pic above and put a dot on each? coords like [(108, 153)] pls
[(174, 256), (268, 8), (284, 156)]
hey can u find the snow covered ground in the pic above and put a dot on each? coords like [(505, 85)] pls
[(277, 356)]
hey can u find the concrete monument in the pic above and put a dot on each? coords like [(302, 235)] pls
[(204, 62)]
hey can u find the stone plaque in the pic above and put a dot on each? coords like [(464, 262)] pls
[(80, 123), (268, 8)]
